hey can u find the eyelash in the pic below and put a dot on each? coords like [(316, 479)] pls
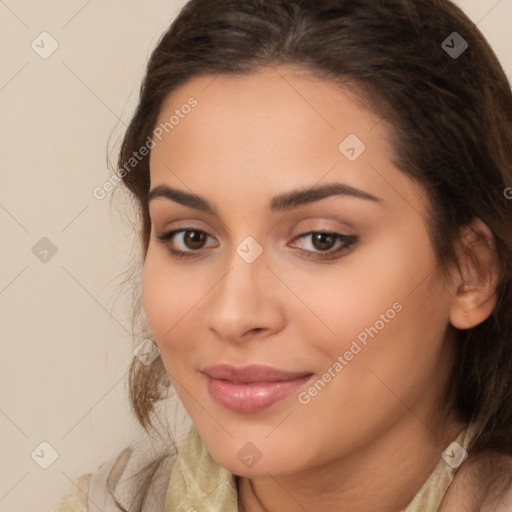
[(347, 242)]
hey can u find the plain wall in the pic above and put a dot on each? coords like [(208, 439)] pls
[(64, 323)]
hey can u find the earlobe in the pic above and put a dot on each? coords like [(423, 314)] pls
[(478, 274)]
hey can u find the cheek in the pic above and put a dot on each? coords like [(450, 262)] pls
[(166, 296), (155, 293), (175, 298), (375, 364), (353, 294), (385, 308)]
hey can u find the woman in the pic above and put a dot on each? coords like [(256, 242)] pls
[(326, 230)]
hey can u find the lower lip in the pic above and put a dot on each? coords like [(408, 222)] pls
[(252, 397)]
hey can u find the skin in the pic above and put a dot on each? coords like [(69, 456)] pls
[(249, 139)]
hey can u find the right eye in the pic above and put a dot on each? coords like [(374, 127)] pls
[(184, 243)]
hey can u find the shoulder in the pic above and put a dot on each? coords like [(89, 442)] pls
[(482, 484), (139, 473)]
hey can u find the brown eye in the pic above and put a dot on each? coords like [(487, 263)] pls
[(323, 241), (324, 245), (186, 242), (194, 239)]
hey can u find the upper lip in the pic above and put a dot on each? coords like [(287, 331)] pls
[(251, 373)]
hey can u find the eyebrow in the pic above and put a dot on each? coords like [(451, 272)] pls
[(281, 203)]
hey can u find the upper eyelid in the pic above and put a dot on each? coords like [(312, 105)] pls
[(182, 225), (179, 229), (176, 231), (188, 224), (286, 202)]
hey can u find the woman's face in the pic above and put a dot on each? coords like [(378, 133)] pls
[(304, 250)]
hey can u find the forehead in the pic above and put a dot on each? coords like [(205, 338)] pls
[(282, 104), (265, 130)]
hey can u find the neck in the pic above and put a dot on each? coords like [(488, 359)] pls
[(382, 476)]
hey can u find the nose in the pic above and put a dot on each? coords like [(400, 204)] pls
[(245, 304)]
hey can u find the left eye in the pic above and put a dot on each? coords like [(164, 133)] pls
[(326, 242)]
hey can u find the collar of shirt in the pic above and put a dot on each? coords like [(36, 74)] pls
[(198, 482)]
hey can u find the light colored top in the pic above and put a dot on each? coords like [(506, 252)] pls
[(193, 481)]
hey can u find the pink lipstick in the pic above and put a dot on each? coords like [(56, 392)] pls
[(251, 388)]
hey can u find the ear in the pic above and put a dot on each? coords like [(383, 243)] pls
[(478, 271)]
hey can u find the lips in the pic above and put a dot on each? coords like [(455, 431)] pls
[(250, 374), (251, 388)]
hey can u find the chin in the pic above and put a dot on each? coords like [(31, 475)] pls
[(251, 453), (261, 468)]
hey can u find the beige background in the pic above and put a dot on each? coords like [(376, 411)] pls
[(64, 324)]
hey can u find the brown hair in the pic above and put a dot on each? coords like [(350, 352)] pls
[(451, 121)]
